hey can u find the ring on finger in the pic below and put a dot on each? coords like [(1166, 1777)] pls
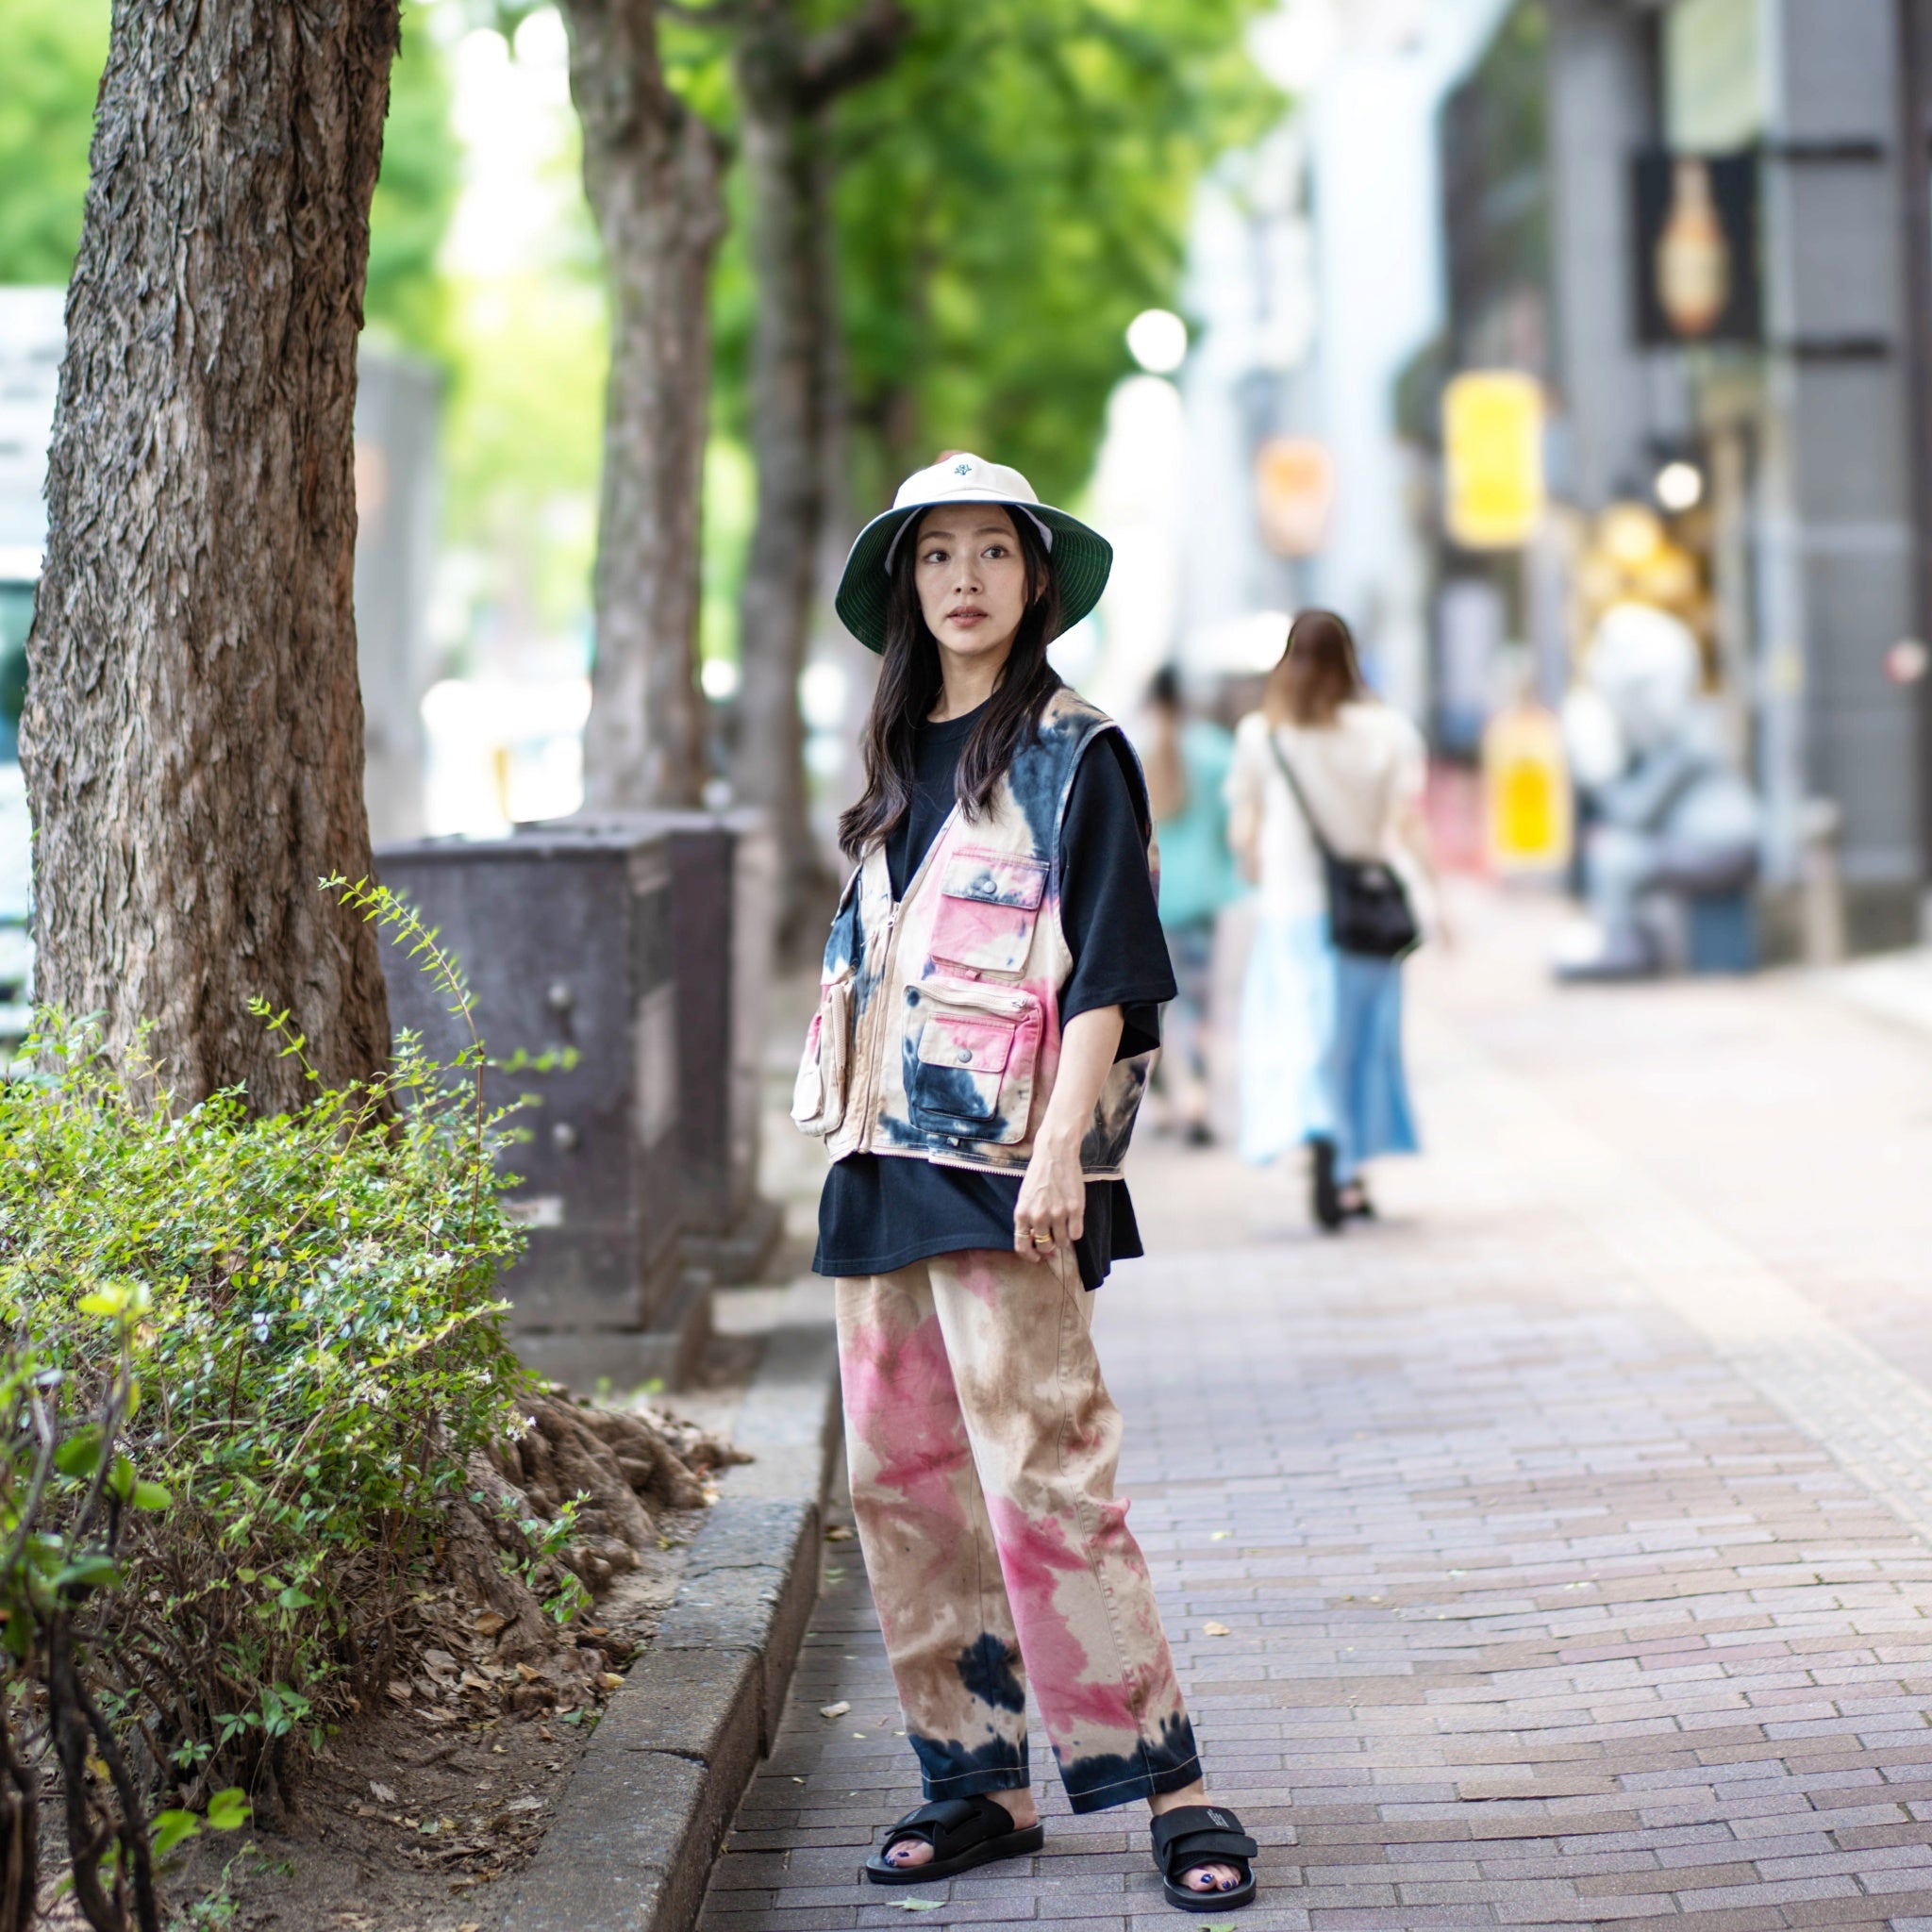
[(1040, 1241)]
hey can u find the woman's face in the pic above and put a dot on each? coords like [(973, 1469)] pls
[(972, 579)]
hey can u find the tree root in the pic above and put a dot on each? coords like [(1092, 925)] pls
[(617, 1465)]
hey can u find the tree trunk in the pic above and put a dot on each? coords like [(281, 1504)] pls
[(652, 169), (193, 731), (788, 83), (785, 432)]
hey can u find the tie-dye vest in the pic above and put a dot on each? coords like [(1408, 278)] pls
[(938, 1031)]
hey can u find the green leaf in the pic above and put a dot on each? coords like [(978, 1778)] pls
[(79, 1456), (151, 1496), (96, 1571), (229, 1811), (166, 1829), (293, 1599)]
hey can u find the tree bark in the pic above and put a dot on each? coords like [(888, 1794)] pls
[(788, 82), (192, 737), (652, 169)]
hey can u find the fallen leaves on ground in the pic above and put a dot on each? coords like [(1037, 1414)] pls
[(838, 1710), (1216, 1630)]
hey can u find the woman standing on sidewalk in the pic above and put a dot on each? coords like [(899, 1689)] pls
[(1324, 763), (987, 1016)]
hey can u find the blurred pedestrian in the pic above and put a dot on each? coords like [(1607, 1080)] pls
[(989, 1004), (1187, 760), (1325, 763)]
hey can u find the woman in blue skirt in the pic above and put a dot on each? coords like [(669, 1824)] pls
[(1322, 1030)]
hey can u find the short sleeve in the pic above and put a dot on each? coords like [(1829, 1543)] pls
[(1410, 772), (1107, 909), (1243, 783)]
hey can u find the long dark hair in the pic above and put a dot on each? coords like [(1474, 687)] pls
[(910, 685), (1318, 673)]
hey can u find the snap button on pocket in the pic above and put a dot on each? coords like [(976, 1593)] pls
[(988, 906)]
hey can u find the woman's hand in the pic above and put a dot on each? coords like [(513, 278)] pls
[(1053, 1199), (1053, 1196)]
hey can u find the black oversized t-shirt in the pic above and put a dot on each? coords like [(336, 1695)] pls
[(876, 1214)]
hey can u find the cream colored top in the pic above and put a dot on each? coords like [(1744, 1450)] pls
[(1363, 779)]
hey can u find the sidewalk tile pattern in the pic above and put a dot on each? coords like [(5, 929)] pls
[(1555, 1597)]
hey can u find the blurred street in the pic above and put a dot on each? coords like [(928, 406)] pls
[(1549, 1554)]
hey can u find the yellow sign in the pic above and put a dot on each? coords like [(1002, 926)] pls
[(1295, 492), (1526, 792), (1493, 456)]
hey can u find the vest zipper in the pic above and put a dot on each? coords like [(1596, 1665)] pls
[(876, 1007)]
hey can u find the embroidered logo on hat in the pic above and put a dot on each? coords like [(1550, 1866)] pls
[(963, 469)]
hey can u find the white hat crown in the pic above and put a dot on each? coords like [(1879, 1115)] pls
[(963, 478)]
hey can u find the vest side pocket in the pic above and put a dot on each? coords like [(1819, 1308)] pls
[(989, 904), (818, 1095), (975, 1050)]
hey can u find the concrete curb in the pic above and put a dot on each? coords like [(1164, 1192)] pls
[(646, 1809)]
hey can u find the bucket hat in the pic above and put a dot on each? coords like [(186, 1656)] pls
[(1080, 558)]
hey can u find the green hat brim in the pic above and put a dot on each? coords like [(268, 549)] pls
[(1080, 559)]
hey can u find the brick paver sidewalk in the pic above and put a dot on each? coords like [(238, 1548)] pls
[(1563, 1525)]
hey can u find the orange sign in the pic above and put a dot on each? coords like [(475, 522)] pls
[(1294, 493)]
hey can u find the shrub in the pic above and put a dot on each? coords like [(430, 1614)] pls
[(249, 1365)]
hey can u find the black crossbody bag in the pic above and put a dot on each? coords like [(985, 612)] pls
[(1368, 913)]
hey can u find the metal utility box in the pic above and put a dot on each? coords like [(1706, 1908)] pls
[(724, 870), (567, 942)]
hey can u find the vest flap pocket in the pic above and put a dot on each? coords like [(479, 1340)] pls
[(818, 1095), (988, 904), (955, 1039), (973, 1056), (995, 879)]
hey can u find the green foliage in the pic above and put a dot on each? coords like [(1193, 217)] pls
[(53, 57), (1011, 195), (245, 1363), (523, 439), (408, 297)]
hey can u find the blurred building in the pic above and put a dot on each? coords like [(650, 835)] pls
[(1704, 227), (1315, 276), (1694, 222), (398, 411)]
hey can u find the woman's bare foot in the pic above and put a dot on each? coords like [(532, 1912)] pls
[(1204, 1878), (911, 1852)]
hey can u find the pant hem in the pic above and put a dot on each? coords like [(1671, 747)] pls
[(1132, 1791), (970, 1784)]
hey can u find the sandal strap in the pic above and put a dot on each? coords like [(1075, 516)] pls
[(1200, 1835), (948, 1819)]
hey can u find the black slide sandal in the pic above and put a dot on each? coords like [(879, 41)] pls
[(962, 1832), (1326, 1203), (1203, 1835)]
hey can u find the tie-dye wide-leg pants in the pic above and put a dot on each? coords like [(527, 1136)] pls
[(982, 1444)]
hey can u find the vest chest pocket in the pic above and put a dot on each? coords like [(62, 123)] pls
[(974, 1051), (818, 1095), (989, 904)]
